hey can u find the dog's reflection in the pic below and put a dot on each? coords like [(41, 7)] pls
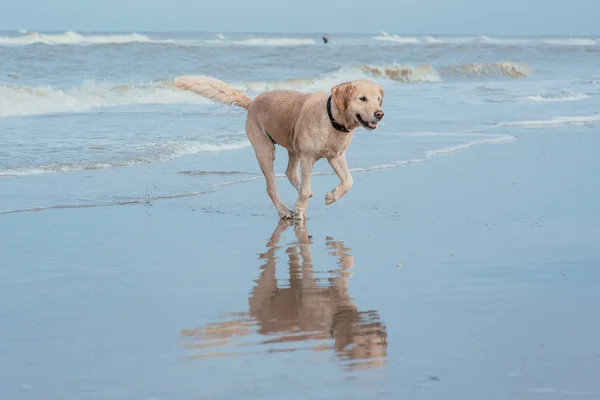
[(305, 307)]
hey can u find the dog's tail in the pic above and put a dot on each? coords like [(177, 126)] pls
[(214, 89)]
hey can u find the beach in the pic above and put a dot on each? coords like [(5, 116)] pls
[(141, 258), (470, 275)]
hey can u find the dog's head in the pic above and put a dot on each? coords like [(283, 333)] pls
[(359, 102)]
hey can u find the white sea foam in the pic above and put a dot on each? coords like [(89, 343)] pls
[(74, 38), (24, 100), (486, 139), (70, 38), (274, 42), (575, 120), (571, 42), (429, 154), (564, 95), (323, 82), (432, 40), (16, 100), (156, 152), (384, 36), (398, 73)]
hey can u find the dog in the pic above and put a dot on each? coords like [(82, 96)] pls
[(310, 126)]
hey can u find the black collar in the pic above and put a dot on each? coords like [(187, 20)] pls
[(337, 126)]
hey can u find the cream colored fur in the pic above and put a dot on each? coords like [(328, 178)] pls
[(299, 123)]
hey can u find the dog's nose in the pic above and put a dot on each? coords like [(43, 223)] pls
[(378, 114)]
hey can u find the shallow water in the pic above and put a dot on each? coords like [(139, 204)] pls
[(303, 310), (473, 275), (93, 118)]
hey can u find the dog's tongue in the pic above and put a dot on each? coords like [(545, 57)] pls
[(373, 125)]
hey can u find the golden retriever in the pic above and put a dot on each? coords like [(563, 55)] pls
[(310, 126)]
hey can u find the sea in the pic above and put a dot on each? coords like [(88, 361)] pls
[(91, 119)]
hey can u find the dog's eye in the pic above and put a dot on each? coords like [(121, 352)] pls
[(363, 98)]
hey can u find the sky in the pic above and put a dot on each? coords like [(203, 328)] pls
[(484, 17)]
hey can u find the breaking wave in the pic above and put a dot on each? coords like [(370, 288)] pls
[(572, 42), (70, 37), (24, 100), (74, 38), (403, 73), (384, 36), (273, 42), (155, 152), (510, 69), (564, 95), (16, 100), (432, 40), (426, 73), (398, 73)]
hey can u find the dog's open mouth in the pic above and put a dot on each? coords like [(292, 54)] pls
[(368, 125)]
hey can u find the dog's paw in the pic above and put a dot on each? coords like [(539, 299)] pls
[(330, 198)]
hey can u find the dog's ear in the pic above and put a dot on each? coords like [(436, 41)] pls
[(342, 94), (381, 98)]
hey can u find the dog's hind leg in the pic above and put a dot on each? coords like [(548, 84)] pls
[(264, 147)]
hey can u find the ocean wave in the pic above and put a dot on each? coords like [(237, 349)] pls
[(386, 37), (155, 152), (74, 38), (483, 39), (70, 38), (403, 73), (563, 95), (24, 100), (426, 73), (510, 69), (273, 42), (432, 40), (322, 82), (571, 42), (16, 100), (556, 121), (325, 81), (397, 73)]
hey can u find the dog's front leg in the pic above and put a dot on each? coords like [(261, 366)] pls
[(340, 166), (306, 165)]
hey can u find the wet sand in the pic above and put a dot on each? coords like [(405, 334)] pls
[(473, 275)]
